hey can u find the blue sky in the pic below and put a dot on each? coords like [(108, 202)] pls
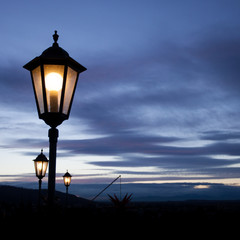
[(158, 103)]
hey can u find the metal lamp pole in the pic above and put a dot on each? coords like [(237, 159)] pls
[(53, 136)]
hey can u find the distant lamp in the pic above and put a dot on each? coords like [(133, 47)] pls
[(67, 180), (40, 164)]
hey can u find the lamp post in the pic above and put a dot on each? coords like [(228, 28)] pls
[(54, 77), (40, 164), (67, 180)]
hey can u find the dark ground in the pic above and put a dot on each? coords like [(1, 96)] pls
[(195, 219)]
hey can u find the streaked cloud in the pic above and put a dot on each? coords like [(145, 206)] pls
[(160, 96)]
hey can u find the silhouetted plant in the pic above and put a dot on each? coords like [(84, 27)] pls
[(118, 203)]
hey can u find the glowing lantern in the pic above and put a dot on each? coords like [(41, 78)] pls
[(67, 179), (40, 164), (54, 76)]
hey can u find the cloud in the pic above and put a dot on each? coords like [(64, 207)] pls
[(170, 161), (217, 135), (149, 145), (145, 103), (16, 86), (116, 144), (168, 85), (218, 55)]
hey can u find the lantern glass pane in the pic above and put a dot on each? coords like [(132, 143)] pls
[(40, 168), (53, 75), (67, 181), (70, 84), (37, 82), (44, 168)]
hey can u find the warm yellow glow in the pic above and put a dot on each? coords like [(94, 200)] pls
[(53, 81), (39, 166), (67, 181)]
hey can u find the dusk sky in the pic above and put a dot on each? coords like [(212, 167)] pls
[(159, 102)]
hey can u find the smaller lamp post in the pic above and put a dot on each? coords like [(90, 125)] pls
[(40, 164), (67, 180)]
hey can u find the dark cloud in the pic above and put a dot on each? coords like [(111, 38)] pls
[(16, 86), (172, 161), (116, 145), (120, 91), (133, 151), (167, 84), (218, 135), (219, 56), (131, 97)]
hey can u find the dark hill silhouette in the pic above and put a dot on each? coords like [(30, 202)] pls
[(19, 195), (19, 210)]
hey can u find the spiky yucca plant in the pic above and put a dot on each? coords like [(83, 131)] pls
[(118, 203)]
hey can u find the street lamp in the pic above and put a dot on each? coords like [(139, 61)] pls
[(67, 180), (54, 77), (40, 164)]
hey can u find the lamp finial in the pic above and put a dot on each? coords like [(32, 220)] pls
[(55, 36)]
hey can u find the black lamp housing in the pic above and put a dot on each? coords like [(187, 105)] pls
[(67, 179), (54, 77), (40, 164)]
